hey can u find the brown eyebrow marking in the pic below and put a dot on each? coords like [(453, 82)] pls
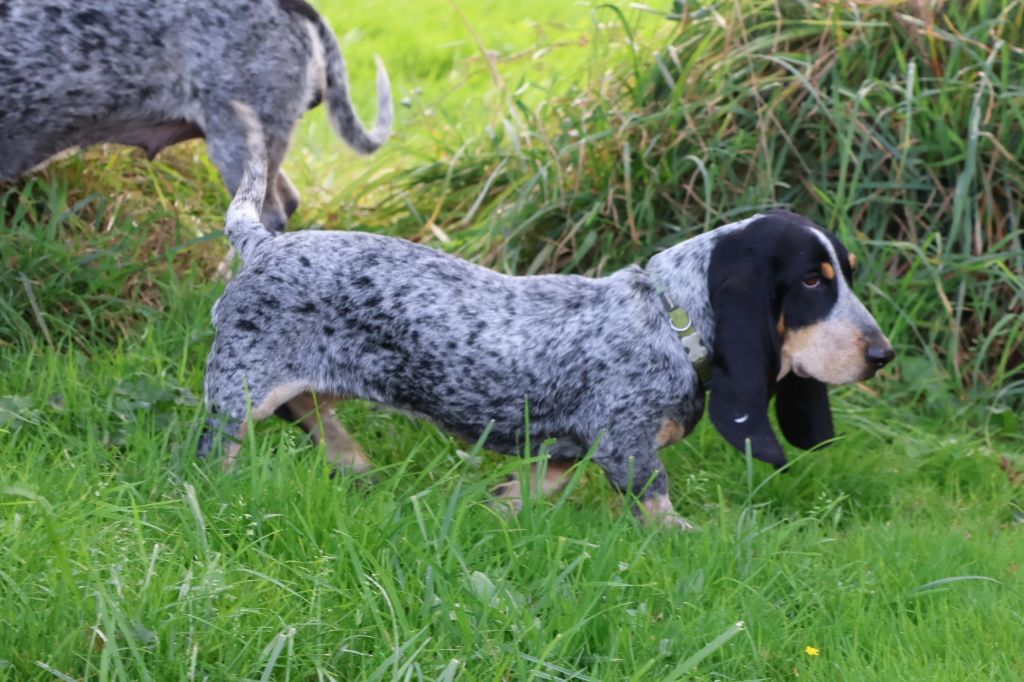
[(853, 261), (827, 271)]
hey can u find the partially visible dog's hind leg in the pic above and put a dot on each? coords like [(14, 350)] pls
[(316, 415), (287, 193), (281, 197), (554, 477)]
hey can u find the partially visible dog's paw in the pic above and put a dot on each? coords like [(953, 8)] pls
[(657, 510), (507, 496), (205, 444), (363, 480), (675, 521)]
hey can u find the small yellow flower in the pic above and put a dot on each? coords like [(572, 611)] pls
[(811, 651)]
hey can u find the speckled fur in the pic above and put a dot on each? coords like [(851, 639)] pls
[(356, 315), (152, 73), (360, 315)]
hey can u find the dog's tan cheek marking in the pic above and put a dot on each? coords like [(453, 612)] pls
[(798, 341), (785, 365), (828, 271), (814, 351), (784, 361), (853, 261), (670, 432)]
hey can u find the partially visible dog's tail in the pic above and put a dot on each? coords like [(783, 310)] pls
[(243, 226), (339, 101)]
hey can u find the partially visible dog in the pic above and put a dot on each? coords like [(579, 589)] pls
[(152, 73), (314, 317)]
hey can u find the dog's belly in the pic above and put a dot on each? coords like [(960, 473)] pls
[(424, 384), (88, 72), (155, 137), (503, 417), (151, 137)]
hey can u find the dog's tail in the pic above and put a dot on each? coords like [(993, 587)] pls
[(243, 226), (339, 102)]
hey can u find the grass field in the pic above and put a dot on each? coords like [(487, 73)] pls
[(595, 137)]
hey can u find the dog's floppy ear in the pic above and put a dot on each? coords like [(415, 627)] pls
[(801, 405), (746, 350)]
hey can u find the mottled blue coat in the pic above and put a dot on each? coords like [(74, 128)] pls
[(590, 360)]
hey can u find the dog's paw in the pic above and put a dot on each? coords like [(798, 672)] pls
[(507, 497), (362, 480), (658, 511), (675, 521), (205, 445)]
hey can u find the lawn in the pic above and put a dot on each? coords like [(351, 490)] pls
[(893, 554)]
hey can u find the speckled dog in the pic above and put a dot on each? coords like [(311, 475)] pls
[(315, 317), (151, 73)]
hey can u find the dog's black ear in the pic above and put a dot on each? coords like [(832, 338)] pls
[(805, 417), (746, 349)]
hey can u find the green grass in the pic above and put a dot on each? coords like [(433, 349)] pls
[(112, 530), (896, 552)]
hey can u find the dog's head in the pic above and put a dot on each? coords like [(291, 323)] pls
[(786, 323)]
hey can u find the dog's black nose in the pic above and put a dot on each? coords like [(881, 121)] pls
[(880, 356)]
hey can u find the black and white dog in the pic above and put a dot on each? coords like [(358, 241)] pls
[(151, 73), (314, 317)]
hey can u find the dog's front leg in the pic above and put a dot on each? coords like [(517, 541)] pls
[(226, 431), (640, 475)]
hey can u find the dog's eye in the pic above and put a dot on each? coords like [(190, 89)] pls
[(812, 282)]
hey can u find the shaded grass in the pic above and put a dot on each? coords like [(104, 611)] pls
[(82, 268)]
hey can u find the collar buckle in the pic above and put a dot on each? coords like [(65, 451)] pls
[(679, 320), (693, 345)]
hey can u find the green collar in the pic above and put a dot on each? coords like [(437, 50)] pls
[(693, 344)]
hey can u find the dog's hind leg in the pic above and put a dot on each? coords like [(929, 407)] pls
[(315, 414), (282, 198), (226, 145), (287, 193), (544, 480)]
